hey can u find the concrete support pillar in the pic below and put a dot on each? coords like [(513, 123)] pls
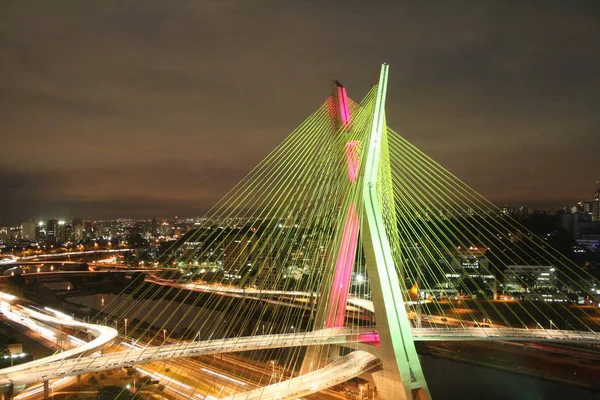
[(7, 392), (495, 288), (46, 390), (78, 379)]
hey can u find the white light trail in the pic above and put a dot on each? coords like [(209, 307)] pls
[(224, 376), (161, 376)]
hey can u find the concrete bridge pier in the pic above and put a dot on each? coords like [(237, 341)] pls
[(7, 392)]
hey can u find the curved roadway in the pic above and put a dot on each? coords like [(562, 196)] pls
[(44, 370), (35, 320), (62, 364)]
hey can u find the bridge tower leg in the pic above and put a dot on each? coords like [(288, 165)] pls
[(402, 376), (335, 310), (332, 313)]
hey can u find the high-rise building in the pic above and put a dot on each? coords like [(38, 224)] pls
[(28, 230), (51, 230), (65, 232), (4, 233), (236, 250), (88, 229), (40, 231), (78, 230), (98, 228), (596, 205)]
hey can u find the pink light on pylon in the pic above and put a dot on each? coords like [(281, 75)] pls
[(352, 230), (370, 338), (352, 160), (336, 308), (343, 271), (343, 105)]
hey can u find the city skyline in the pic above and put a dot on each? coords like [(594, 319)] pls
[(111, 112)]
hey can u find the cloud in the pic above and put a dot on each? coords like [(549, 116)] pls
[(111, 86)]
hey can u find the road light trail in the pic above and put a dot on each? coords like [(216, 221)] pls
[(334, 373)]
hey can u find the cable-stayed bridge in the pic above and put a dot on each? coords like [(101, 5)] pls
[(345, 204)]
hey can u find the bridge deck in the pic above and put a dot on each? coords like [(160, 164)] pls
[(42, 370)]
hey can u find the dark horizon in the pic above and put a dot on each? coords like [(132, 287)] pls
[(540, 206), (108, 109)]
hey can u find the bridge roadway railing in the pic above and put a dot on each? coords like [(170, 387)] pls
[(66, 367), (514, 334)]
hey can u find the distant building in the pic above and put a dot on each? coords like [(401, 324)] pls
[(590, 242), (596, 206), (154, 228), (51, 230), (78, 230), (522, 278), (469, 261), (236, 252), (165, 229), (507, 210), (573, 223), (587, 206), (3, 233), (29, 230), (524, 210), (65, 232)]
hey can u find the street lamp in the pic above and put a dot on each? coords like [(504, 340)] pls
[(126, 329), (164, 335), (550, 324)]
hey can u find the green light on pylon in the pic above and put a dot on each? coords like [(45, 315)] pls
[(401, 366)]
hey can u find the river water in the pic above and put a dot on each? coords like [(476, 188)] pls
[(451, 380)]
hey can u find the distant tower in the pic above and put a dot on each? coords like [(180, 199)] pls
[(596, 205), (51, 230), (78, 230), (28, 230)]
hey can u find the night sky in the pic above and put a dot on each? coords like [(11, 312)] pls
[(155, 108)]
